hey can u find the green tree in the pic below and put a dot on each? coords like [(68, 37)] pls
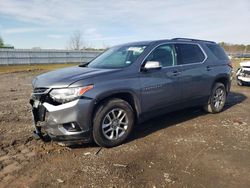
[(1, 42)]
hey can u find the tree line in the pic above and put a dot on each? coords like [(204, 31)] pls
[(1, 42), (76, 43), (235, 48)]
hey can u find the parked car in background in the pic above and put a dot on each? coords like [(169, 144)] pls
[(243, 74), (129, 84)]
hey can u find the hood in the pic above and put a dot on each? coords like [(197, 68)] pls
[(245, 64), (66, 76)]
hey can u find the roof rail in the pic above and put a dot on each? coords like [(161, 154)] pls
[(188, 39)]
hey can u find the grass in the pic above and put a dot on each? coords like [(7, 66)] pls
[(28, 68)]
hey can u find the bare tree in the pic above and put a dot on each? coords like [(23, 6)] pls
[(105, 46), (76, 41)]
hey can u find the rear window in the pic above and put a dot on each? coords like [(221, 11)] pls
[(217, 51), (189, 53)]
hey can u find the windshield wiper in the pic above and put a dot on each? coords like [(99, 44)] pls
[(84, 64)]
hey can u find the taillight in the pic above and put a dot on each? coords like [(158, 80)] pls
[(230, 64)]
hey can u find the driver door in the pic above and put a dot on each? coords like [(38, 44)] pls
[(160, 88)]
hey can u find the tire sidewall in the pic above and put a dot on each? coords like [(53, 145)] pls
[(217, 86), (102, 111)]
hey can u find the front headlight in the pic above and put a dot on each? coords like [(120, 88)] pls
[(63, 95), (238, 72)]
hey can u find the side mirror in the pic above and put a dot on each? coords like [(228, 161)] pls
[(151, 65)]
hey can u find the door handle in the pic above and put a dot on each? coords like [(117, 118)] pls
[(176, 73), (209, 68)]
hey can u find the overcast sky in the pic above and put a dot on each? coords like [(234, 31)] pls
[(49, 23)]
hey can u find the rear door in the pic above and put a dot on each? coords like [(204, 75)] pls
[(160, 88), (195, 84)]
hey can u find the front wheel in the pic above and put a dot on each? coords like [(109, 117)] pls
[(112, 123), (217, 99)]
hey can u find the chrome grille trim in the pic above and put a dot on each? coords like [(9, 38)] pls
[(40, 90)]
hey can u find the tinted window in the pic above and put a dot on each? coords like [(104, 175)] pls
[(164, 54), (217, 51), (189, 53)]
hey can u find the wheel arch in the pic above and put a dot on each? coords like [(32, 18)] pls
[(125, 95), (224, 80)]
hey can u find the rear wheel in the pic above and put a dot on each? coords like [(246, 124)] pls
[(217, 98), (113, 123)]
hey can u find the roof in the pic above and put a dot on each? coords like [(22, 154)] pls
[(165, 40), (193, 40)]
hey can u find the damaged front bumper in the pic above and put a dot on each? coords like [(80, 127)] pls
[(62, 122), (243, 75)]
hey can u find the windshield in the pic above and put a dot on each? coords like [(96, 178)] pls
[(117, 57)]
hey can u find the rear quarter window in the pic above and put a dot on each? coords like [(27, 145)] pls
[(189, 54), (217, 51)]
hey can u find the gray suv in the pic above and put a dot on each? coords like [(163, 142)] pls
[(126, 85)]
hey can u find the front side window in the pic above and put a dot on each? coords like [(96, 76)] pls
[(117, 57), (189, 53), (163, 54)]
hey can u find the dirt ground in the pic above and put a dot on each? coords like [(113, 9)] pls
[(188, 148)]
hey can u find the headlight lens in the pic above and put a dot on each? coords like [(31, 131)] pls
[(63, 95)]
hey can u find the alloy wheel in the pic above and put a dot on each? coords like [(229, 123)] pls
[(219, 98), (115, 124)]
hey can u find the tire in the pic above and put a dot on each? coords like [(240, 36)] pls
[(112, 123), (217, 99)]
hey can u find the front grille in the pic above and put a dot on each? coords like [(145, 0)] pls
[(40, 90), (40, 94), (246, 71)]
